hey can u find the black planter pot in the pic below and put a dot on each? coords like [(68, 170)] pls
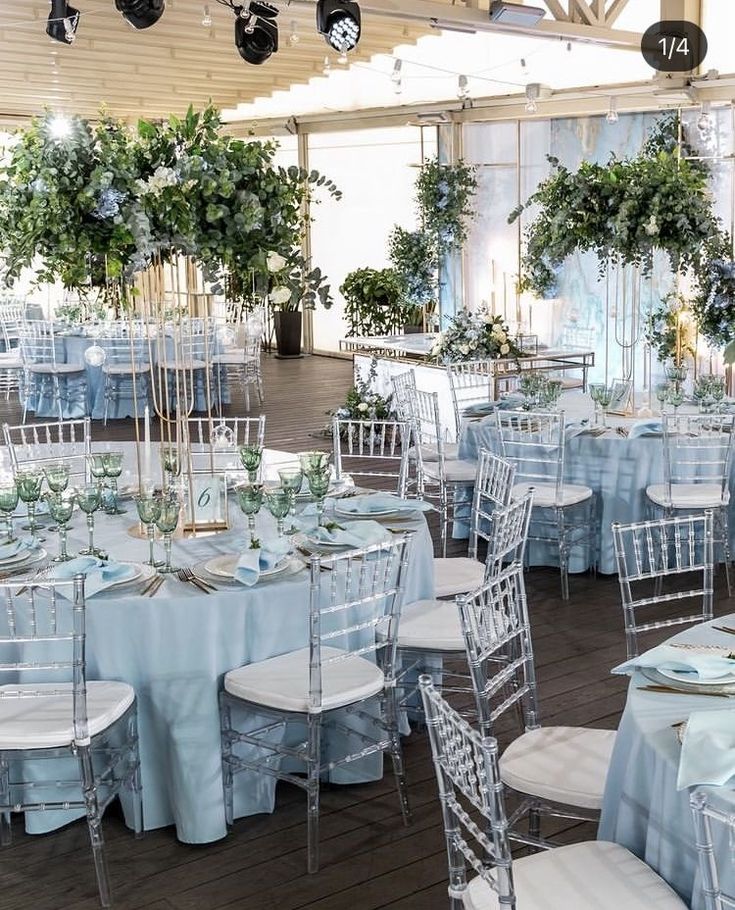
[(288, 332), (412, 329)]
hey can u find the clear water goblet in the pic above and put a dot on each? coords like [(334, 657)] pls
[(250, 499), (251, 458), (113, 464), (8, 504), (167, 522), (89, 499), (149, 511), (61, 508), (278, 502), (319, 486), (292, 479), (29, 482)]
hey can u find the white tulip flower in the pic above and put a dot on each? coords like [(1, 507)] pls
[(275, 262)]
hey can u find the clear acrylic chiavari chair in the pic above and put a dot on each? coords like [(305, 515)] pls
[(482, 874), (470, 383), (214, 441), (46, 372), (373, 450), (650, 553), (11, 364), (127, 367), (698, 451), (557, 771), (564, 514), (69, 441), (708, 819), (240, 363), (349, 663), (85, 731)]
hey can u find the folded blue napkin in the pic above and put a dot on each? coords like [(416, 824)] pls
[(13, 548), (708, 750), (254, 561), (381, 502), (646, 428), (355, 534), (98, 574), (699, 664)]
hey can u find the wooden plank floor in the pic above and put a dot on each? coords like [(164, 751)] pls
[(369, 860)]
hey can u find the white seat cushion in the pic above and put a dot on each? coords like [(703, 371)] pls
[(186, 365), (563, 764), (688, 495), (457, 576), (59, 368), (455, 470), (431, 453), (431, 625), (45, 721), (230, 358), (595, 875), (544, 494), (283, 682)]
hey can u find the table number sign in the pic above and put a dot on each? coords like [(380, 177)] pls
[(206, 503)]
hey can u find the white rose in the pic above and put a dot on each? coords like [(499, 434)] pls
[(504, 349), (362, 406), (280, 295), (464, 349), (501, 336), (488, 319), (275, 262)]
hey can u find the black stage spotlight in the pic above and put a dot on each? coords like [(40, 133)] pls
[(340, 23), (62, 22), (141, 13), (256, 32)]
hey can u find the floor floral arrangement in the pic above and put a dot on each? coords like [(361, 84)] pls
[(474, 336)]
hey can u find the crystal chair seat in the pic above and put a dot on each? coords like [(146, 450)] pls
[(431, 625), (283, 682), (30, 718), (688, 495), (51, 368), (430, 453), (596, 875), (563, 764), (125, 369), (455, 471), (230, 358), (457, 575), (545, 495)]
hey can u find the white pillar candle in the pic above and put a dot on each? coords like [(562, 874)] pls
[(147, 444)]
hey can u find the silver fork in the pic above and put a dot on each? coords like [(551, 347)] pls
[(182, 576), (196, 580)]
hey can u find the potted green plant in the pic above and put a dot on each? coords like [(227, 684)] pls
[(293, 287), (374, 301)]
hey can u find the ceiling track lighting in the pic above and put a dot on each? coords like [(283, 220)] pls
[(63, 21), (141, 13), (612, 111), (515, 14), (340, 22), (396, 77), (256, 31)]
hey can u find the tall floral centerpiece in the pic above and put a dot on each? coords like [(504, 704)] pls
[(474, 336)]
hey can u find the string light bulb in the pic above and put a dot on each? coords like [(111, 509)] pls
[(524, 67), (396, 77), (463, 88), (206, 17), (612, 111), (293, 38), (532, 95)]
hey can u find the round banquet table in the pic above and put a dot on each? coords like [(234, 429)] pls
[(617, 468), (174, 649), (642, 809)]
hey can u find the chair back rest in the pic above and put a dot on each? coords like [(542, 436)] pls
[(493, 485), (354, 608), (253, 346), (42, 642), (372, 449), (404, 384), (69, 441), (698, 450), (39, 344), (534, 443), (508, 535), (11, 317), (575, 336), (649, 552), (124, 347), (186, 340), (470, 383), (214, 442), (495, 625), (707, 817), (472, 803)]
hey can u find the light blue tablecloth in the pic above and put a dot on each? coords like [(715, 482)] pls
[(175, 648), (70, 348), (642, 809), (617, 469)]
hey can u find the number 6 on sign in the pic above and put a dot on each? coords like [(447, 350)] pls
[(208, 492)]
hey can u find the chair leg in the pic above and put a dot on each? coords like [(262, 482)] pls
[(725, 529), (396, 754), (563, 554), (94, 823), (312, 791), (135, 783), (5, 830), (226, 741), (534, 826)]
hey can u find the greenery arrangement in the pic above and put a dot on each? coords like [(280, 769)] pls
[(362, 402), (474, 336), (293, 285), (100, 201), (669, 333), (625, 211), (373, 302)]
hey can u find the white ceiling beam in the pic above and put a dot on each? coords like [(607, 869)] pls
[(557, 10), (616, 8), (581, 12)]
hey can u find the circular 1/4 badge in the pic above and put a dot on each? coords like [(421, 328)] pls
[(674, 46)]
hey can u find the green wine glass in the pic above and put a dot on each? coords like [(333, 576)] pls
[(89, 499), (251, 458), (319, 482), (29, 482), (171, 464), (8, 505), (313, 461), (97, 468), (57, 476), (113, 464), (662, 395), (292, 479), (250, 498), (676, 396), (61, 508), (604, 398), (149, 511), (278, 502), (167, 522)]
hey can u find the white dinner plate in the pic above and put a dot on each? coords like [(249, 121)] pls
[(225, 566), (18, 568), (19, 558), (382, 513), (692, 679)]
